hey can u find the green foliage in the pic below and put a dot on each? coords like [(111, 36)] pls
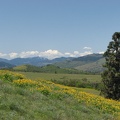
[(83, 83), (111, 76), (74, 80), (20, 68), (9, 76), (46, 69), (45, 92)]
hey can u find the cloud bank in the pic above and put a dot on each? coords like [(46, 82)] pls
[(50, 54)]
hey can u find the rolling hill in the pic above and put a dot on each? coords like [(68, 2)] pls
[(89, 63), (92, 67), (46, 69), (6, 65)]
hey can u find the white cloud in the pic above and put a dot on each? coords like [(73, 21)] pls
[(87, 48), (2, 55), (50, 54), (13, 55), (28, 54), (76, 53), (67, 54), (86, 53)]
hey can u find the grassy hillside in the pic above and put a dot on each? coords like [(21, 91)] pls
[(69, 64), (92, 67), (26, 99), (89, 58), (90, 63), (20, 68), (46, 69), (55, 69)]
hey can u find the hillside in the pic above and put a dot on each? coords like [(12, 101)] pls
[(89, 58), (89, 63), (46, 69), (69, 64), (92, 67), (5, 65), (44, 100), (3, 60), (36, 61)]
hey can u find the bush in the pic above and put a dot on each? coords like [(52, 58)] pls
[(10, 76), (83, 83), (45, 92)]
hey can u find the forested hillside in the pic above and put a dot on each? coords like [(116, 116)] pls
[(46, 69)]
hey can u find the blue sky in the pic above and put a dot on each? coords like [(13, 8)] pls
[(55, 28)]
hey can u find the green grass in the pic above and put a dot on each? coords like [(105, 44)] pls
[(88, 90), (49, 76), (22, 103), (19, 68), (74, 80), (17, 103), (46, 69), (58, 78)]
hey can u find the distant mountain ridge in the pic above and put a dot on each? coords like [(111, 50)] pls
[(36, 61), (88, 63), (5, 65), (89, 58)]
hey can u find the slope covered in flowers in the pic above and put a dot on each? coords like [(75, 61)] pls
[(47, 87), (51, 89)]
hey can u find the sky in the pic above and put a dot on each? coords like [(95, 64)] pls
[(57, 28)]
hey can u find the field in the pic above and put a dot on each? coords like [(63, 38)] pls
[(49, 76), (80, 81), (22, 98)]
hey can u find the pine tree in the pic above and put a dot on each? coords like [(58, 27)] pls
[(111, 74)]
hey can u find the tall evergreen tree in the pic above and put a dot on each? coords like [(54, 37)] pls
[(111, 74)]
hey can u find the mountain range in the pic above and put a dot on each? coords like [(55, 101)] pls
[(90, 63), (37, 61)]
